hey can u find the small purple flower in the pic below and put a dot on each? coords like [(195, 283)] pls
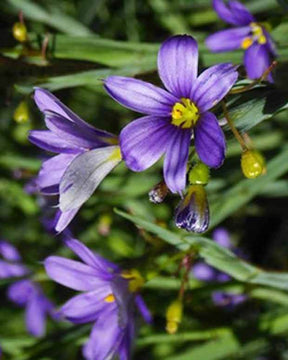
[(228, 300), (85, 156), (24, 292), (28, 294), (203, 272), (108, 300), (173, 115), (10, 264), (249, 35)]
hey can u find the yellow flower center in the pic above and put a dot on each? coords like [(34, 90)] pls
[(109, 298), (185, 114), (257, 34), (136, 281)]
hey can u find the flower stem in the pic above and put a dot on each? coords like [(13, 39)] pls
[(233, 128), (255, 82)]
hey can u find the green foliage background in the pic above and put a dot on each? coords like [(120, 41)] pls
[(88, 40)]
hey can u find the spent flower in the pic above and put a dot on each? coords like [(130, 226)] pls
[(247, 34), (108, 300), (175, 114), (85, 156)]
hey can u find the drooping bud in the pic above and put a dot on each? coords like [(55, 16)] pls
[(252, 164), (104, 224), (192, 213), (20, 32), (173, 316), (21, 113), (159, 192), (199, 174)]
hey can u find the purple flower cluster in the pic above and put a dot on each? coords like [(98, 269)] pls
[(25, 293), (247, 34), (108, 299), (206, 273)]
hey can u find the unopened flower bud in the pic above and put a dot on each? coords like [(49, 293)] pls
[(192, 213), (252, 164), (104, 224), (173, 316), (21, 113), (199, 174), (158, 194), (20, 32)]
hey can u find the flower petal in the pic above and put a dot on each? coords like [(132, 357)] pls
[(84, 174), (8, 251), (144, 140), (73, 274), (213, 84), (227, 40), (104, 340), (8, 270), (257, 60), (139, 95), (35, 315), (176, 157), (47, 140), (178, 64), (90, 258), (203, 272), (86, 307), (234, 13), (52, 171), (63, 219), (47, 102), (20, 291), (210, 140), (77, 135), (142, 307)]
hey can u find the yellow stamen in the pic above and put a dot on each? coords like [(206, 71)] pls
[(109, 298), (136, 281), (246, 43), (185, 114), (258, 33)]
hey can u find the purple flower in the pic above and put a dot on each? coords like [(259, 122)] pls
[(10, 264), (228, 300), (173, 115), (28, 294), (203, 272), (108, 300), (24, 292), (85, 156), (247, 34)]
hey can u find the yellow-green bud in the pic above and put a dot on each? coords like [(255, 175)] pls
[(21, 113), (199, 174), (252, 164), (174, 316), (20, 32)]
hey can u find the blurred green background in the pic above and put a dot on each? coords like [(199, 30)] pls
[(88, 40)]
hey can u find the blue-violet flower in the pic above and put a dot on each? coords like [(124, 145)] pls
[(173, 115)]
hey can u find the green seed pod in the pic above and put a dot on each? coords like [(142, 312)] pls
[(252, 164), (20, 32), (174, 316), (199, 174), (21, 113)]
